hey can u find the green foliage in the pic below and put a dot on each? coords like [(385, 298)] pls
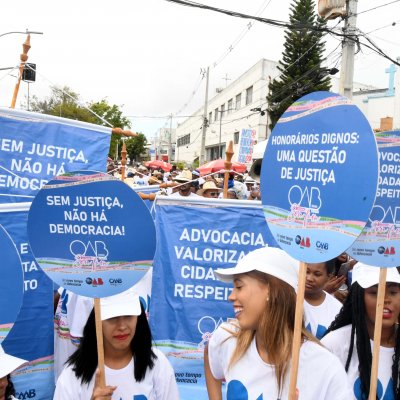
[(135, 146), (301, 64), (64, 102)]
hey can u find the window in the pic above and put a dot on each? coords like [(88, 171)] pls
[(216, 115), (222, 110), (249, 95), (209, 117), (235, 137), (184, 140), (230, 106), (238, 101)]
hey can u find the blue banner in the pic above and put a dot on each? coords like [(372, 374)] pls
[(83, 230), (319, 177), (34, 148), (246, 144), (11, 284), (379, 242), (188, 303)]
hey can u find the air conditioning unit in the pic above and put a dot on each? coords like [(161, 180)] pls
[(331, 9)]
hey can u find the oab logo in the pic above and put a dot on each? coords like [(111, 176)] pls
[(94, 281), (303, 242), (321, 245), (387, 251)]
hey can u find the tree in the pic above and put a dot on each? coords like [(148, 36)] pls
[(300, 67), (113, 115), (135, 146), (64, 102)]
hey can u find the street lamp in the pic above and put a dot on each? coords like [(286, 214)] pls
[(27, 32)]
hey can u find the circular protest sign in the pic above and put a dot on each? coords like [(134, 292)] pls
[(11, 284), (319, 177), (379, 243), (91, 233)]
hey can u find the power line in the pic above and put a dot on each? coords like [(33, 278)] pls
[(374, 8)]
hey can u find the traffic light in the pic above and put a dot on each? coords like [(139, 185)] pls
[(29, 73)]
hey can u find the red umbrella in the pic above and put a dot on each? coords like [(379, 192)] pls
[(218, 165), (158, 164)]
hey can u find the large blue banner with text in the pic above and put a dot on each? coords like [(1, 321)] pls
[(188, 303), (34, 148)]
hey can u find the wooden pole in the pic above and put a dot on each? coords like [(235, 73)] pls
[(99, 337), (119, 131), (298, 322), (228, 165), (23, 57), (123, 160), (377, 333)]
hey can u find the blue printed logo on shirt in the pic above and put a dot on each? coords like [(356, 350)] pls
[(389, 392), (320, 330), (237, 391)]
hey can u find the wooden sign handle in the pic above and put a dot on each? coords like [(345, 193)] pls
[(99, 337), (298, 323), (377, 333), (228, 164)]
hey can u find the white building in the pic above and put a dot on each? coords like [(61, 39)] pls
[(382, 106), (229, 112), (161, 143)]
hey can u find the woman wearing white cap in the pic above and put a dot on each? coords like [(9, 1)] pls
[(254, 356), (351, 335), (8, 364), (133, 368)]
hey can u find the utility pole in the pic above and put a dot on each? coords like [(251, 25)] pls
[(221, 113), (347, 65), (205, 123), (170, 141)]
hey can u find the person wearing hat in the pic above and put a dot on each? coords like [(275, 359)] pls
[(253, 353), (133, 367), (209, 190), (350, 337), (184, 185), (8, 364)]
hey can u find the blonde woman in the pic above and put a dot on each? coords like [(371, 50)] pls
[(253, 355)]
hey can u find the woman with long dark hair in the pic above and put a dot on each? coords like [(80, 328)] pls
[(253, 354), (133, 368), (350, 337), (8, 364)]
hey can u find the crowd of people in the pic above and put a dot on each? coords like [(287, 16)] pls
[(250, 355), (191, 183)]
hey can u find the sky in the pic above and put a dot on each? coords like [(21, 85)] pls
[(147, 55)]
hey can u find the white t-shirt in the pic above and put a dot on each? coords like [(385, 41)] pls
[(158, 384), (318, 318), (320, 377), (338, 342), (69, 319), (177, 194), (141, 180)]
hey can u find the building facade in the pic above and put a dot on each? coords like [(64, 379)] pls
[(229, 112)]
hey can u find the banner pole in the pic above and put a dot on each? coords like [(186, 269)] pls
[(377, 333), (228, 164), (298, 323), (99, 337)]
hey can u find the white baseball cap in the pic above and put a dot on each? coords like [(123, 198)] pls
[(270, 260), (9, 363), (125, 303), (367, 276)]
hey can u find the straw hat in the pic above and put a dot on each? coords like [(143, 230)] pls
[(208, 185), (184, 176)]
